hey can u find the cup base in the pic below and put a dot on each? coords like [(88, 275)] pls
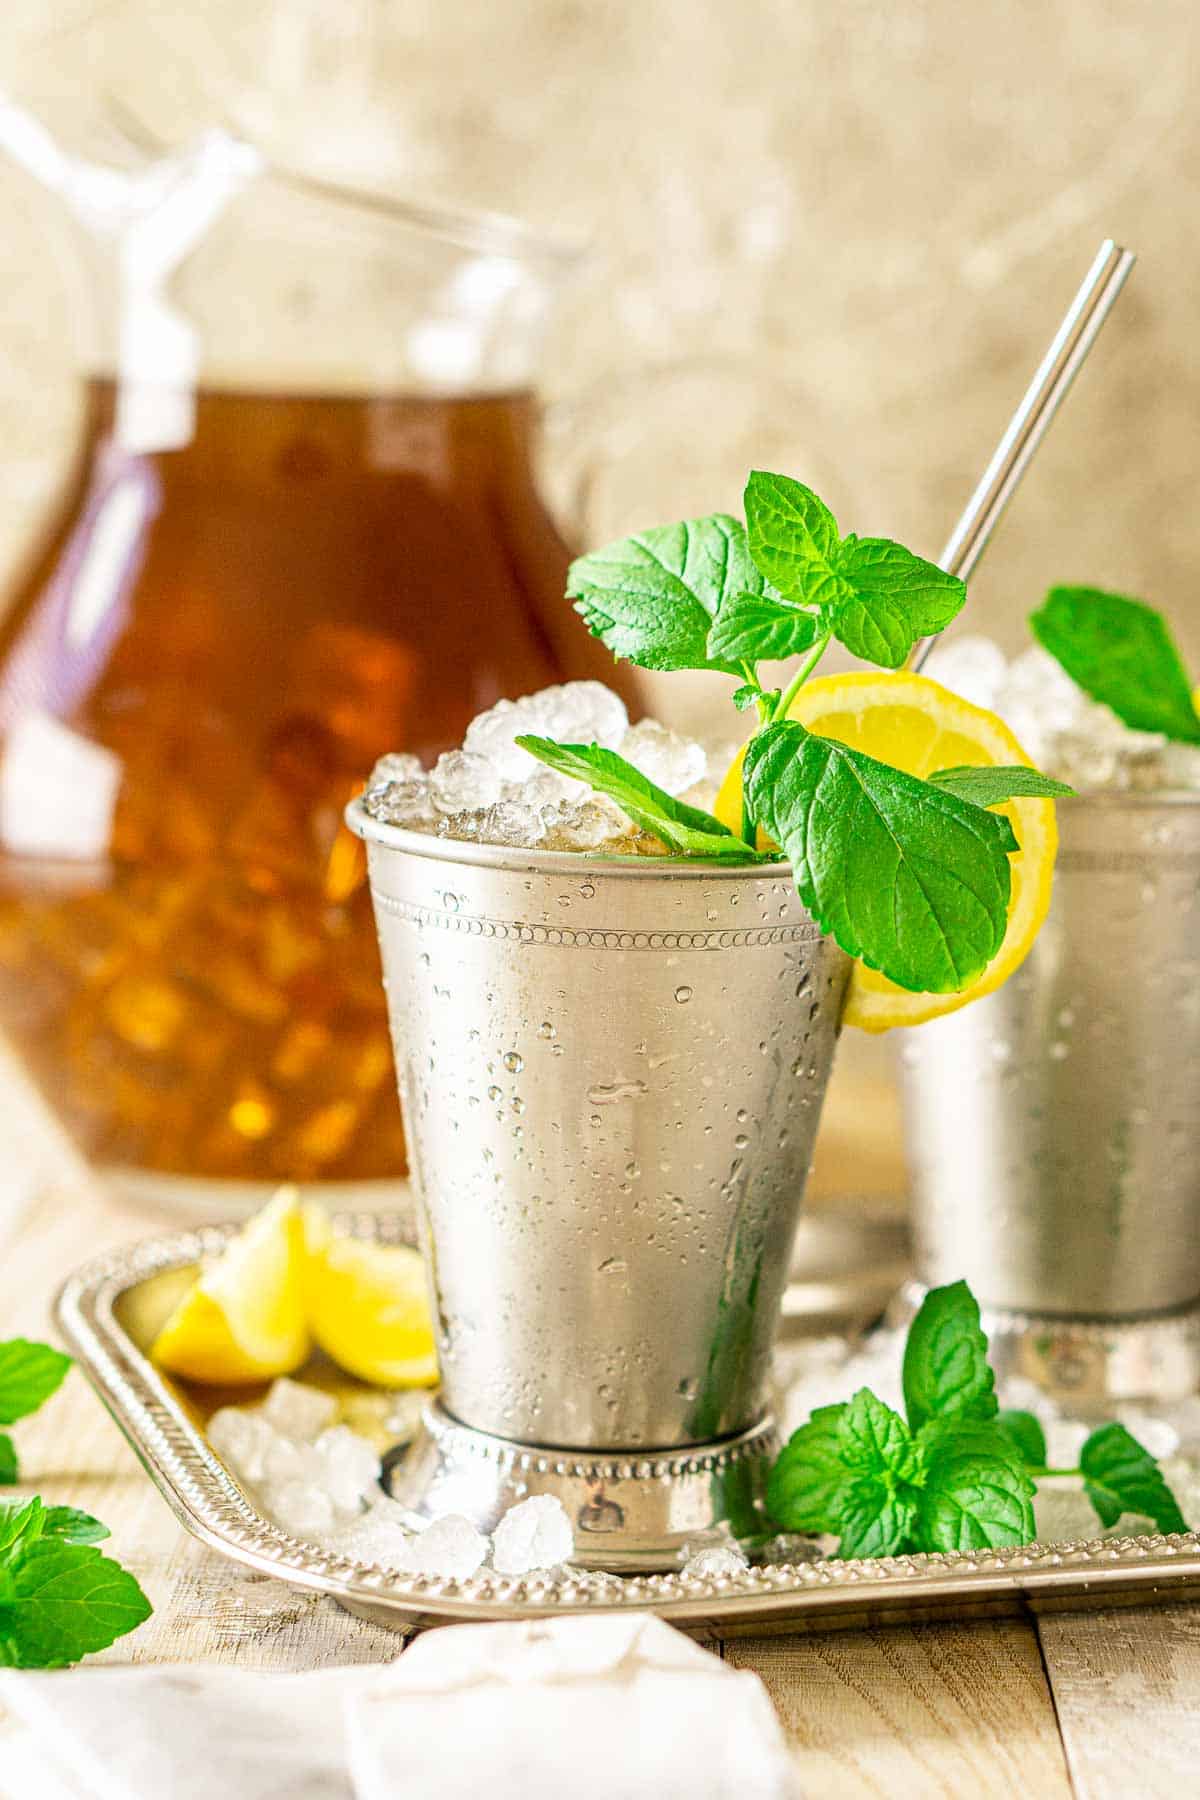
[(1086, 1365), (633, 1511)]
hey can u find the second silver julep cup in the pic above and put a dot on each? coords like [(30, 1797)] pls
[(1054, 1126), (612, 1074)]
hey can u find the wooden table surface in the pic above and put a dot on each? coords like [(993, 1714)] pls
[(1102, 1705)]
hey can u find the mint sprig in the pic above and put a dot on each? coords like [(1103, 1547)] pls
[(1121, 653), (954, 1473), (910, 876), (60, 1599)]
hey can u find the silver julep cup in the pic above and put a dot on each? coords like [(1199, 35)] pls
[(1054, 1126), (611, 1075)]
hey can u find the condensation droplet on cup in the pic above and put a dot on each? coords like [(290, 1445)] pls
[(512, 1062), (546, 1029), (683, 995)]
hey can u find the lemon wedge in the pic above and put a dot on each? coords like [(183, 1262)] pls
[(368, 1306), (919, 726), (244, 1319)]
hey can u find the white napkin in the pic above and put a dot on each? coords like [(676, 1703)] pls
[(622, 1707), (615, 1709), (178, 1732)]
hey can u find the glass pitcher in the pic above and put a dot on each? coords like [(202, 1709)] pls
[(301, 530)]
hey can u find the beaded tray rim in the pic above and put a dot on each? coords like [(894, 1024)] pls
[(208, 1502)]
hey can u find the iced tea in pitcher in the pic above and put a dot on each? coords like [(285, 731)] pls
[(253, 589)]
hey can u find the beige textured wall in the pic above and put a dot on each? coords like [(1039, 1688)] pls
[(844, 229)]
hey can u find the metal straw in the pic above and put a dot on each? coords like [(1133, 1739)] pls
[(1029, 424)]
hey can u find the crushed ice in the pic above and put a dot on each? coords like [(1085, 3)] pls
[(536, 1534), (717, 1562), (494, 791), (319, 1480)]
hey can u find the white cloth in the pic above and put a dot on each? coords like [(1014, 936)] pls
[(621, 1707)]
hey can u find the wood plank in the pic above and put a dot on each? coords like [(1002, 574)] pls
[(914, 1711), (1126, 1683)]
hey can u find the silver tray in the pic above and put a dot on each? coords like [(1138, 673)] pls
[(110, 1310)]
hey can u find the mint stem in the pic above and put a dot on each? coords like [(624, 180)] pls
[(768, 716), (783, 706)]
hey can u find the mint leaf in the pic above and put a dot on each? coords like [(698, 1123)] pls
[(683, 828), (1121, 1476), (1121, 652), (64, 1601), (874, 595), (877, 1505), (793, 538), (29, 1374), (73, 1526), (914, 881), (876, 1519), (755, 627), (805, 1486), (946, 1370), (893, 599), (992, 786), (960, 1437), (8, 1460), (1024, 1432), (973, 1501), (745, 696), (872, 1438), (18, 1521), (652, 598)]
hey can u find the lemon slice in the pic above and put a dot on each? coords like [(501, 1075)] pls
[(244, 1319), (369, 1307), (919, 726)]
